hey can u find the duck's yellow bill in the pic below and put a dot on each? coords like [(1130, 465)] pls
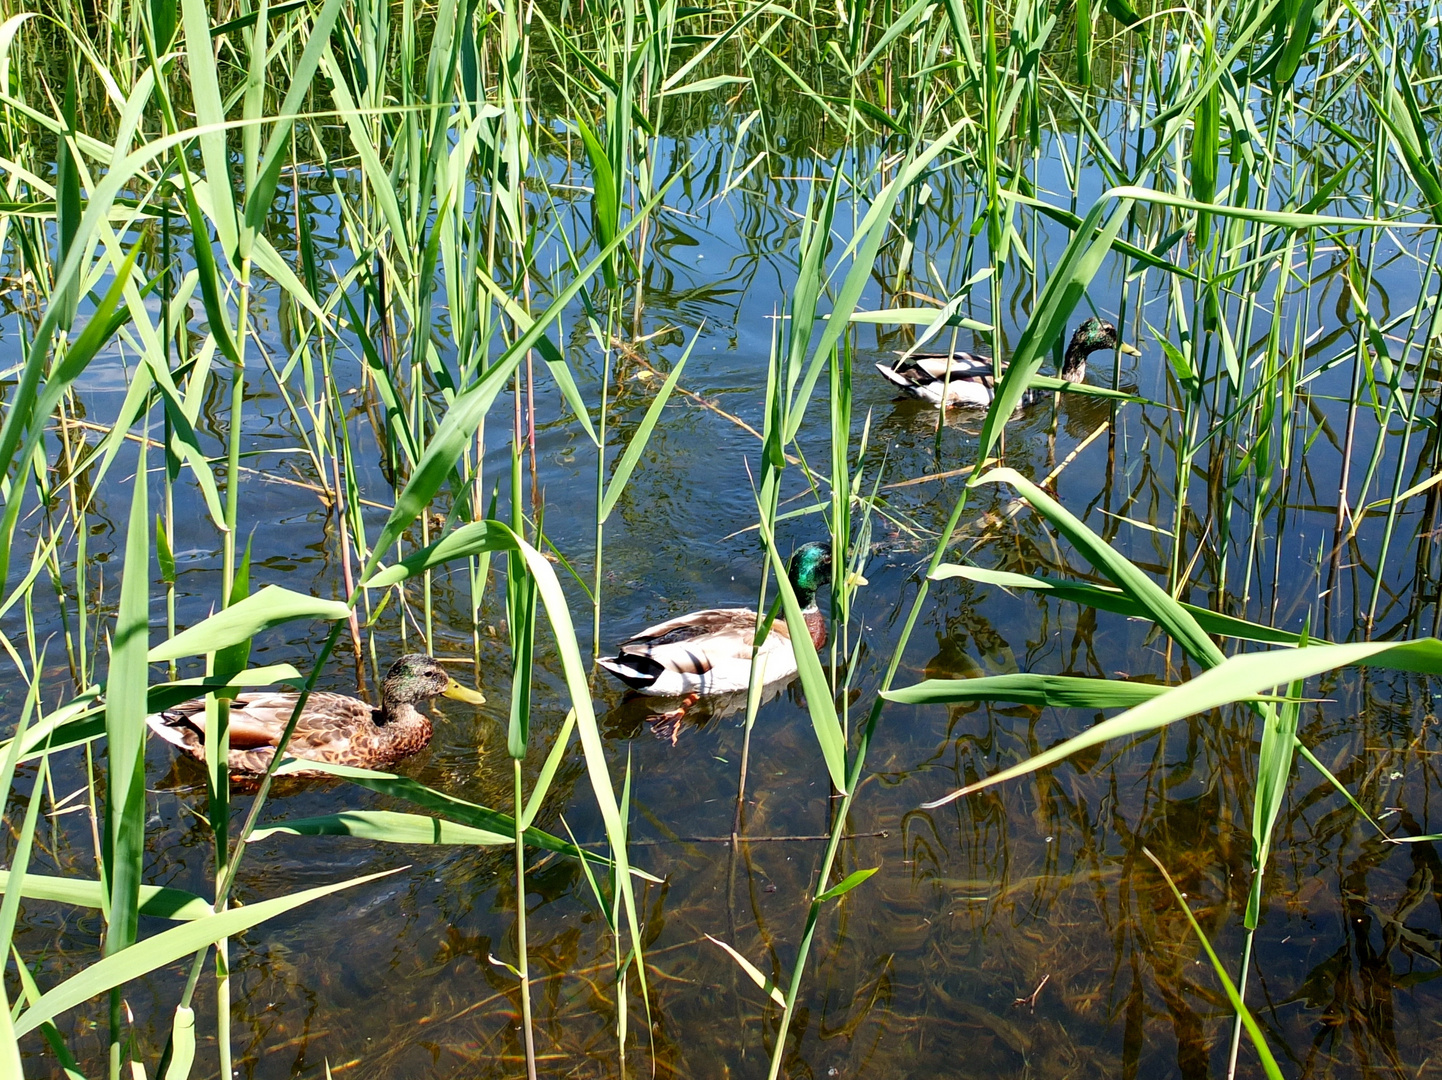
[(1130, 350), (458, 692)]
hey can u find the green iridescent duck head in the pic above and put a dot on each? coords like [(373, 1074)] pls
[(809, 570), (417, 677), (1091, 336)]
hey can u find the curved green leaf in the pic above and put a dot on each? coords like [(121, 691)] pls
[(156, 901), (272, 606), (166, 948), (1066, 691), (386, 826), (1106, 598), (1178, 623), (844, 886), (1238, 678)]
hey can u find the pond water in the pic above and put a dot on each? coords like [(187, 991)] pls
[(1018, 932)]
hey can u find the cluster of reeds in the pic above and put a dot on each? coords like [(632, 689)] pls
[(498, 171)]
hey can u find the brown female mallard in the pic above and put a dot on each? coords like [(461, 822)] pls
[(332, 727)]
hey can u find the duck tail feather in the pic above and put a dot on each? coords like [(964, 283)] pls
[(175, 730), (893, 375), (629, 672)]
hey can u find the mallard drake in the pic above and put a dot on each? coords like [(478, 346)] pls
[(332, 727), (966, 379), (709, 652)]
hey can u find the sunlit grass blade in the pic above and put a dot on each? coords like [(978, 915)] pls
[(167, 947), (272, 606), (1239, 678), (1161, 608), (125, 731), (156, 901), (210, 114), (642, 435), (1264, 1053), (1059, 690), (754, 973), (386, 826), (1105, 598)]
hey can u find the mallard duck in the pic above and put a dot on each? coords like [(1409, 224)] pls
[(967, 379), (333, 727), (709, 652)]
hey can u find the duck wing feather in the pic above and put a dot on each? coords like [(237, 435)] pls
[(941, 366), (258, 720), (691, 643)]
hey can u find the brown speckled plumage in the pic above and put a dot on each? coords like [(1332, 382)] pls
[(332, 728)]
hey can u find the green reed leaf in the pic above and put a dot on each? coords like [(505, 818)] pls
[(272, 606), (156, 901), (186, 444), (1063, 691), (212, 288), (125, 730), (554, 758), (471, 539), (83, 718), (164, 21), (259, 199), (386, 826), (204, 85), (1107, 598), (232, 658), (1204, 151), (164, 557), (1295, 21), (470, 814), (1259, 1042), (1235, 679), (1122, 11), (1178, 623), (844, 886), (605, 211), (1061, 386), (1274, 766), (182, 1044), (67, 201), (166, 948), (642, 435)]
